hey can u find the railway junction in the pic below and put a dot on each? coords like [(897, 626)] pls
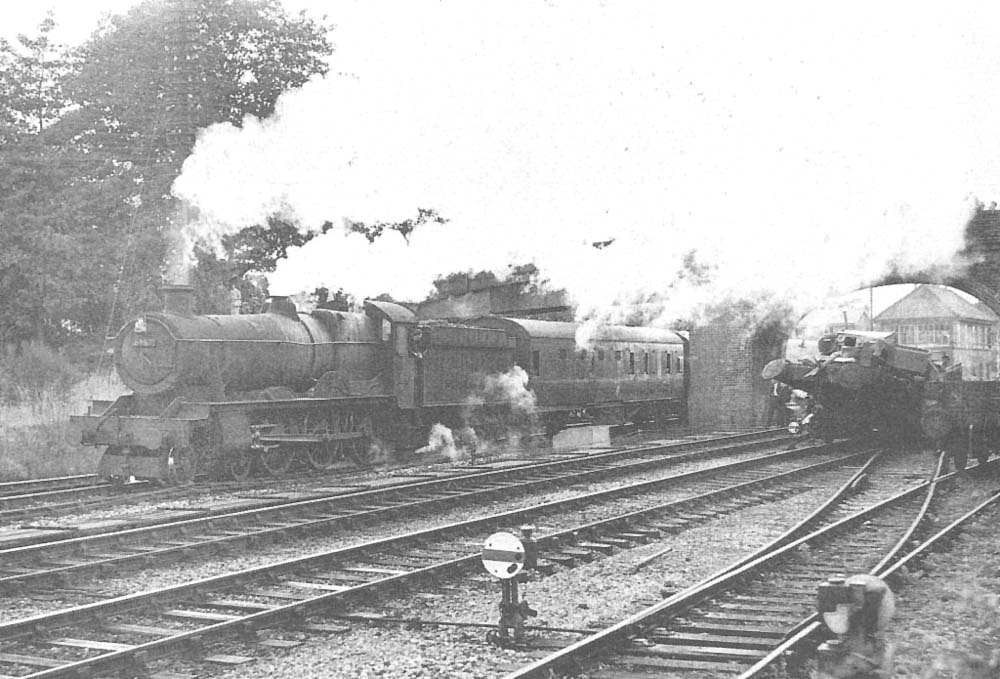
[(698, 556)]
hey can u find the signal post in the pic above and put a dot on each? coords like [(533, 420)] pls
[(505, 557)]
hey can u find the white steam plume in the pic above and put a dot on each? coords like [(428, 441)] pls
[(797, 154), (441, 441), (511, 387)]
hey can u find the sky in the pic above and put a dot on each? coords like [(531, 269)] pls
[(800, 151)]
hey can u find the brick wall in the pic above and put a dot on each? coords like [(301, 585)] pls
[(726, 392)]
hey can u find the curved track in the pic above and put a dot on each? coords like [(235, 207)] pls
[(736, 621), (127, 632)]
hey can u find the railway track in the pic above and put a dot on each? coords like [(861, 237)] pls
[(76, 499), (745, 618), (19, 497), (891, 570), (80, 494), (14, 488), (126, 633), (57, 497), (60, 496), (53, 561)]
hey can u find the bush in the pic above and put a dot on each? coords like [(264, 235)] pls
[(33, 373), (41, 391)]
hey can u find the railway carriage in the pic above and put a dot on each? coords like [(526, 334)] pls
[(622, 373)]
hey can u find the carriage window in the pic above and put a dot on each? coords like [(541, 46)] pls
[(666, 362), (562, 354), (618, 355), (583, 354), (600, 354), (631, 363), (645, 362), (680, 363), (536, 363), (386, 329)]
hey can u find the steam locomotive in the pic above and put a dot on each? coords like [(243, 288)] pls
[(226, 395), (865, 381), (861, 381)]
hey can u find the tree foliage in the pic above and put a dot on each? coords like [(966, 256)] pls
[(150, 79), (32, 72), (258, 248), (92, 140), (404, 228)]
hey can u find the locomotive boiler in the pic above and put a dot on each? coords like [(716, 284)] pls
[(866, 381), (209, 356), (861, 382), (227, 394)]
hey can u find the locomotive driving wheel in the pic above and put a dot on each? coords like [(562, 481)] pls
[(321, 456), (275, 461), (238, 465), (359, 449)]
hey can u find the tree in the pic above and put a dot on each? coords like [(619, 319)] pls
[(97, 138), (694, 272), (340, 301), (155, 76), (31, 76), (404, 228), (258, 248), (32, 175)]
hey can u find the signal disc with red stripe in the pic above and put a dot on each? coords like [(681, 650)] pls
[(503, 555)]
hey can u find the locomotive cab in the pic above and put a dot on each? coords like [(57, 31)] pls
[(398, 332)]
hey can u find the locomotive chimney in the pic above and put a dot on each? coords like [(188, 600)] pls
[(178, 299)]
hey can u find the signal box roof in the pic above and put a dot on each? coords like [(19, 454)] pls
[(935, 302)]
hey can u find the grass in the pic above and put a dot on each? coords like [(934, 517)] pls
[(36, 440)]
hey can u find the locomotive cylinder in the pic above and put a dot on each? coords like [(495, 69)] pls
[(174, 348)]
